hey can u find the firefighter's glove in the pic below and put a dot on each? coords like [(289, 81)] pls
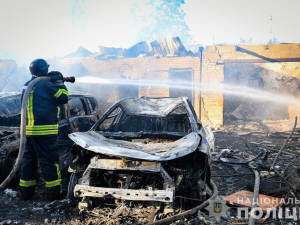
[(56, 78)]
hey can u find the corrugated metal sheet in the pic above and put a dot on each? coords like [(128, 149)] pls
[(168, 46)]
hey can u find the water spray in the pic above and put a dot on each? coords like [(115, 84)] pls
[(204, 87)]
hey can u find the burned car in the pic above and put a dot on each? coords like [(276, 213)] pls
[(146, 149), (10, 109), (78, 115)]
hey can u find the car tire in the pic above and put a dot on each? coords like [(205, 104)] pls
[(71, 186)]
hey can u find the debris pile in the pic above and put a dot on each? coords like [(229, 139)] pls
[(276, 161)]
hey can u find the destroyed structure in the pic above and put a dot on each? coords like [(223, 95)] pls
[(272, 68)]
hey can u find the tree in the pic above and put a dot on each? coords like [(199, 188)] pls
[(159, 18)]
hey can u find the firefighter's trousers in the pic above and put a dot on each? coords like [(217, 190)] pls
[(46, 150)]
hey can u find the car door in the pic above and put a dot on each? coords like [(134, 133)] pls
[(64, 143), (93, 109), (80, 118)]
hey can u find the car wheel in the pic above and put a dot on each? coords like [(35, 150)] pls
[(71, 186)]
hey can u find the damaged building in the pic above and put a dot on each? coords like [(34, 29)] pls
[(271, 68)]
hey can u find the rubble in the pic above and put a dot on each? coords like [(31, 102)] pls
[(245, 112), (6, 222), (10, 193)]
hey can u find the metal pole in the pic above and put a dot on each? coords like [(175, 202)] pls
[(200, 101)]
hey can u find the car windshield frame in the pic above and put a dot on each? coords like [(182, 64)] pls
[(183, 102)]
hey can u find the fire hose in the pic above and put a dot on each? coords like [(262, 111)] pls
[(191, 211), (29, 88)]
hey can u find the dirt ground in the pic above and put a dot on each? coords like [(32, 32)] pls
[(245, 140)]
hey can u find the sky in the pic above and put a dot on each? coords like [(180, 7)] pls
[(230, 20), (43, 28)]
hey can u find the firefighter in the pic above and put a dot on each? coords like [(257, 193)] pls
[(43, 108)]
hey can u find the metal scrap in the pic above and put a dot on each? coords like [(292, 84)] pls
[(244, 198), (241, 161)]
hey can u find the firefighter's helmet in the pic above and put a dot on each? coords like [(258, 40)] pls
[(39, 67)]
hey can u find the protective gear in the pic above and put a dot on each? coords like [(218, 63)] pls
[(39, 67), (56, 78), (43, 108), (44, 149), (42, 133)]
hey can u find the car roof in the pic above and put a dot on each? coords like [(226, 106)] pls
[(151, 106)]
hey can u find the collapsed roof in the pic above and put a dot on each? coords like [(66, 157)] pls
[(163, 47), (168, 46), (81, 52)]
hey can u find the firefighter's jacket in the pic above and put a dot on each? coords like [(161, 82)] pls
[(43, 108)]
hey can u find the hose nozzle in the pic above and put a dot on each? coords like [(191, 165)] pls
[(69, 79)]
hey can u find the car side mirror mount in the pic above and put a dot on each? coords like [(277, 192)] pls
[(199, 126)]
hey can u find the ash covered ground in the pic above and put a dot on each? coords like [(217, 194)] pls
[(244, 140)]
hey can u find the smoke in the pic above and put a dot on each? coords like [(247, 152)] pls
[(50, 29)]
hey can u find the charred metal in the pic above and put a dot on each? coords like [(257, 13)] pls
[(143, 149), (79, 114)]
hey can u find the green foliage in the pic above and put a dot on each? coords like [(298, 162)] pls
[(159, 18)]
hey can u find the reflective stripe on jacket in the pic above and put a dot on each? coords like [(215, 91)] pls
[(43, 108)]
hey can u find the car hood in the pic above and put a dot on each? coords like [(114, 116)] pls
[(96, 142)]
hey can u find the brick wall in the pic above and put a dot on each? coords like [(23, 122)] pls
[(152, 68), (276, 65), (286, 80), (253, 53), (212, 102)]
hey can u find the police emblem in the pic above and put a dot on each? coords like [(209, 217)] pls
[(217, 207)]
